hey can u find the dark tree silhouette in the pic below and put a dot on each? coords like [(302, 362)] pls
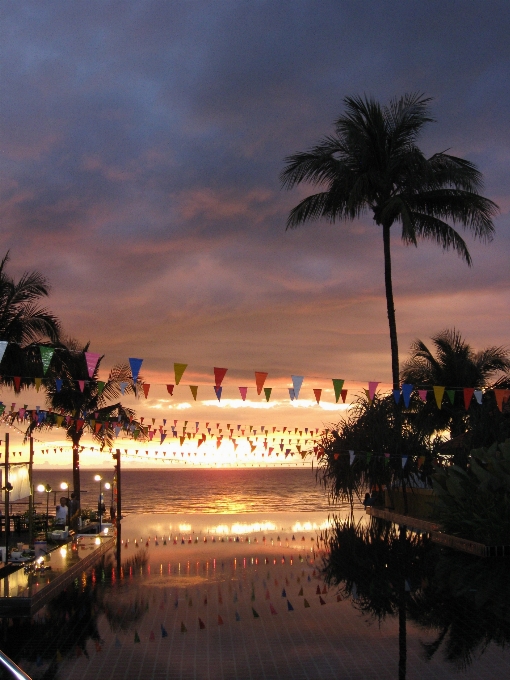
[(373, 164)]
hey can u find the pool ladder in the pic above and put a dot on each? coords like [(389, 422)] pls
[(13, 671)]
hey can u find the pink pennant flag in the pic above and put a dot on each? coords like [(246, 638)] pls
[(81, 383), (422, 394), (372, 387), (243, 391), (91, 358)]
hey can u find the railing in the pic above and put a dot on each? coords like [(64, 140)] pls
[(13, 671)]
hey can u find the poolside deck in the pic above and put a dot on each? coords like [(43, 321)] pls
[(23, 594)]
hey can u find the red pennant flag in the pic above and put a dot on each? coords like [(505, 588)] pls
[(502, 396), (243, 391), (170, 390), (260, 379), (468, 395), (317, 393), (17, 383), (146, 387), (344, 395), (219, 374)]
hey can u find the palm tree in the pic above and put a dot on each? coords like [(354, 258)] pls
[(81, 403), (24, 325), (21, 320), (372, 164), (453, 364)]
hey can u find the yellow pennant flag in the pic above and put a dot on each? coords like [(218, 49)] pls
[(38, 383), (438, 393), (194, 390), (179, 371)]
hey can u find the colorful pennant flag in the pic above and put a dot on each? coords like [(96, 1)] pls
[(502, 396), (179, 372), (478, 396), (3, 347), (146, 387), (135, 365), (297, 381), (46, 355), (194, 390), (260, 379), (372, 387), (318, 393), (468, 395), (267, 392), (243, 391), (406, 393), (338, 386), (219, 374), (91, 359), (438, 394), (218, 389), (170, 390)]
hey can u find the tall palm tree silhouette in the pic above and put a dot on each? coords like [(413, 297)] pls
[(373, 164)]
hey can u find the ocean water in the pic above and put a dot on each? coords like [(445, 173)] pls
[(224, 491)]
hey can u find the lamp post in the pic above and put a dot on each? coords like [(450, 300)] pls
[(46, 488), (107, 486), (99, 479)]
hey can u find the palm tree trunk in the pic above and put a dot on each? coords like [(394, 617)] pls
[(390, 307), (402, 623), (76, 467)]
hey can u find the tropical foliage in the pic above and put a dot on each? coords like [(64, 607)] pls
[(369, 430), (86, 405), (372, 164), (475, 503), (453, 364)]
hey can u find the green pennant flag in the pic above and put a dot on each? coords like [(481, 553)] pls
[(100, 387), (451, 396), (179, 371), (267, 392), (46, 354), (338, 386)]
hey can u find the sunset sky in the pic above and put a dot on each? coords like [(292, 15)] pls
[(141, 144)]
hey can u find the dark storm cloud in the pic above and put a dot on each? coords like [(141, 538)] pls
[(141, 145)]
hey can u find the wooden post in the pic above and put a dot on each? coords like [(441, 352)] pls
[(6, 491), (119, 509), (31, 497)]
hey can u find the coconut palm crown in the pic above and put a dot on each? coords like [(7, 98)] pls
[(372, 164), (83, 407), (21, 320)]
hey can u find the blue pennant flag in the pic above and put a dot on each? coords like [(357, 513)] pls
[(135, 364)]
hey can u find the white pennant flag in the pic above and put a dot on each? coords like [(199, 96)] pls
[(297, 381), (3, 347)]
